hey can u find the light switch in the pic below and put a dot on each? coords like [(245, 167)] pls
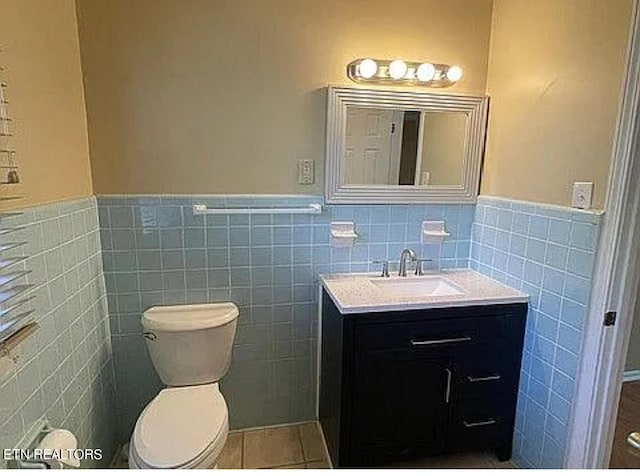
[(306, 171), (582, 195)]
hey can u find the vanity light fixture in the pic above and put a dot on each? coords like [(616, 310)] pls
[(426, 72), (454, 73), (367, 68), (397, 71)]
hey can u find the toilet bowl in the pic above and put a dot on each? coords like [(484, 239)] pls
[(186, 424), (182, 427)]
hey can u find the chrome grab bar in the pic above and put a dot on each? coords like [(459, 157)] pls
[(488, 422), (484, 379), (450, 340)]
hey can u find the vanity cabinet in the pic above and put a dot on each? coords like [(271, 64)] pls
[(399, 385)]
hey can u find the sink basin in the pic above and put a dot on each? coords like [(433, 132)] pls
[(418, 286)]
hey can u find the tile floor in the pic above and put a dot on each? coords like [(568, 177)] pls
[(301, 447), (457, 461), (285, 447)]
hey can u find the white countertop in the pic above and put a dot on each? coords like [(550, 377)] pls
[(355, 293)]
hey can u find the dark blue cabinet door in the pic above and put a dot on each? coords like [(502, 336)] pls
[(400, 407)]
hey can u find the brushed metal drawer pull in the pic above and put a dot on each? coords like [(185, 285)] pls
[(447, 394), (491, 421), (633, 439), (484, 379), (450, 340)]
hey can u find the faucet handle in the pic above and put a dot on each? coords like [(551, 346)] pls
[(419, 270), (385, 267)]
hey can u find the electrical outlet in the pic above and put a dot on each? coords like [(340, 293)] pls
[(582, 195), (306, 172)]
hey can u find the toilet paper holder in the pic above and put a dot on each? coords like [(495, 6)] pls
[(29, 458)]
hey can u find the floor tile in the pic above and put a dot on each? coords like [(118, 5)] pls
[(455, 461), (271, 447), (301, 446), (231, 456), (318, 465), (503, 464), (119, 463), (312, 444), (120, 459)]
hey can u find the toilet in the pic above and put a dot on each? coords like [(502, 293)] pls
[(186, 424)]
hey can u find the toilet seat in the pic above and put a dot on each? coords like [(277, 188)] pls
[(181, 427)]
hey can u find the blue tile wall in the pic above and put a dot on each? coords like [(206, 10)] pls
[(548, 252), (157, 252), (65, 372)]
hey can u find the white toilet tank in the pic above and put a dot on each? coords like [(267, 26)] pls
[(190, 344)]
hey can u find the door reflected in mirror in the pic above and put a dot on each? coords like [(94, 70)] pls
[(404, 147)]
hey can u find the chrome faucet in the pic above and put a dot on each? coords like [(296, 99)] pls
[(402, 270), (385, 267)]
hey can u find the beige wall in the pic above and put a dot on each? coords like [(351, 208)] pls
[(202, 96), (223, 97), (555, 75), (443, 146), (41, 56)]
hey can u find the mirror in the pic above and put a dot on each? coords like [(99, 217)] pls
[(396, 147), (402, 147)]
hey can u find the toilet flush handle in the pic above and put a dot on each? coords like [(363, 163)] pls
[(149, 335)]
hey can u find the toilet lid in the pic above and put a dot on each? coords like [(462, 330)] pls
[(179, 425)]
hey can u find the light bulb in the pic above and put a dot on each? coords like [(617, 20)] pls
[(367, 68), (426, 72), (397, 69), (454, 73)]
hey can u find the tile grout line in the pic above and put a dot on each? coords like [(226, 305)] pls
[(304, 454)]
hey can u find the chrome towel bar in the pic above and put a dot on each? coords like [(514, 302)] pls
[(312, 209)]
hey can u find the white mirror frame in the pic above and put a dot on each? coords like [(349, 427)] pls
[(340, 98)]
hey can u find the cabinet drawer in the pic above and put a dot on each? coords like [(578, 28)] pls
[(480, 424), (486, 372), (429, 335)]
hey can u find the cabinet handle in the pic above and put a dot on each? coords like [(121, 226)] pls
[(450, 340), (447, 393), (483, 379), (633, 439), (488, 422)]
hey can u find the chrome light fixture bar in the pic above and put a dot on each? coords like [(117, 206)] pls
[(400, 72)]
